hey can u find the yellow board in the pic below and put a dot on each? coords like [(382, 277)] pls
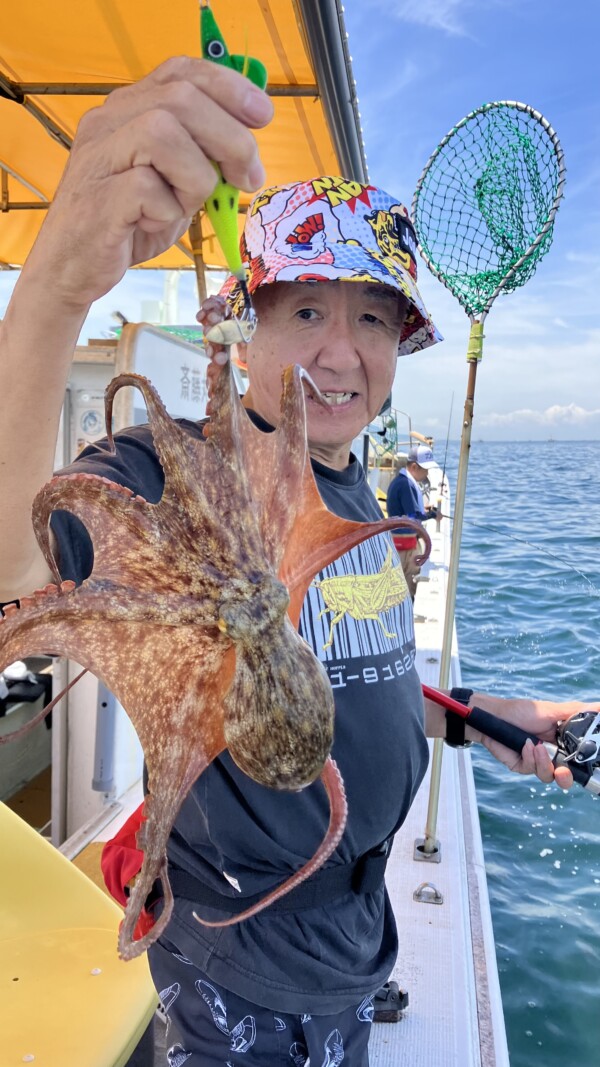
[(65, 996), (106, 42)]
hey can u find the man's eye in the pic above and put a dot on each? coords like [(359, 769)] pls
[(306, 313), (371, 318)]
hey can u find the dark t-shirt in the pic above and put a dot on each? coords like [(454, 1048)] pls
[(240, 837)]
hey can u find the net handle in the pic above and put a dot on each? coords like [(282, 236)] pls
[(560, 159)]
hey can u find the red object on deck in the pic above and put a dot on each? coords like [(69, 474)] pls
[(121, 860), (404, 542)]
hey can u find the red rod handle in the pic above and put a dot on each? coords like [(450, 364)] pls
[(499, 730), (446, 701)]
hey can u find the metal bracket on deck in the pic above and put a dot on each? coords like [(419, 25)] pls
[(389, 1003), (419, 853), (427, 893)]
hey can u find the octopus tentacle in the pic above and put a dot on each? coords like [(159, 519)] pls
[(169, 783), (26, 728), (282, 498), (206, 480), (88, 497), (319, 537), (242, 446), (25, 629), (338, 807), (183, 457), (284, 450)]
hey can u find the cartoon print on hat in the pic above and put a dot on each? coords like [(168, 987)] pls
[(332, 229)]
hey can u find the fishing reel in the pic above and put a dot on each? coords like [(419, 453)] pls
[(577, 743), (578, 748)]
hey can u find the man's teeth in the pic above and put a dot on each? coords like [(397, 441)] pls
[(337, 398)]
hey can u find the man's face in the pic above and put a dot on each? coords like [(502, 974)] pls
[(345, 334), (418, 472)]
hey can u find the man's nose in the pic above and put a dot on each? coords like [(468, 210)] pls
[(338, 347)]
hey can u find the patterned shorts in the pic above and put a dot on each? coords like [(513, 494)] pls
[(207, 1026)]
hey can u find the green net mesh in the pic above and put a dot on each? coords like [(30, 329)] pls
[(484, 198)]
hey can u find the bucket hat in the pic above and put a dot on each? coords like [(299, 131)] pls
[(333, 229)]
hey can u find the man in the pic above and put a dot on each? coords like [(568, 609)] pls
[(404, 497), (334, 281)]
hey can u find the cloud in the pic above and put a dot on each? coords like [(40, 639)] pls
[(584, 184), (587, 258), (454, 17), (555, 416), (405, 75), (445, 15)]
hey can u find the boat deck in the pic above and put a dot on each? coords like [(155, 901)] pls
[(447, 958)]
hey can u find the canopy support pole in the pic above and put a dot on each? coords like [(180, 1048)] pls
[(195, 234)]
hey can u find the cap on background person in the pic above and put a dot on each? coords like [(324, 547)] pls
[(422, 455), (333, 229)]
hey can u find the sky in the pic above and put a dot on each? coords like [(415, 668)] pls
[(421, 66)]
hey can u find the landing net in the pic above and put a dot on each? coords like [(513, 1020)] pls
[(485, 204)]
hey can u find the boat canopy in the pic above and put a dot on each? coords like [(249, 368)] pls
[(58, 60)]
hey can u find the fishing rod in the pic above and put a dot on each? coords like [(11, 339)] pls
[(576, 746)]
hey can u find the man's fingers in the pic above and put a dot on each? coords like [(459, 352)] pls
[(233, 91), (563, 777), (156, 142), (543, 764), (142, 164), (535, 759), (221, 137), (214, 104)]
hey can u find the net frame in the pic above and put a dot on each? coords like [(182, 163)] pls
[(429, 844), (480, 314)]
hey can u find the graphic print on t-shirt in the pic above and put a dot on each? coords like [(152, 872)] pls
[(358, 606)]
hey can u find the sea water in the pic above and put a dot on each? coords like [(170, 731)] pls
[(528, 620)]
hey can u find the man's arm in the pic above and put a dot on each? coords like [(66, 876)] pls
[(539, 717), (139, 168)]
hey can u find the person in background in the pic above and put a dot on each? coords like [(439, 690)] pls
[(405, 497)]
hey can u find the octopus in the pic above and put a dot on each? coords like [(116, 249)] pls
[(196, 600)]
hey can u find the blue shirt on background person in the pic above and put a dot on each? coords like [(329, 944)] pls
[(404, 496)]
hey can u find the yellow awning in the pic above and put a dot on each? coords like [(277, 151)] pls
[(52, 52)]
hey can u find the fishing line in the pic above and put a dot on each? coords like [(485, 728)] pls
[(537, 548)]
